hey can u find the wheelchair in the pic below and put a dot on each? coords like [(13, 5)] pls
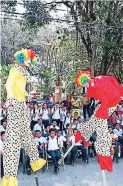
[(24, 159), (115, 153), (49, 160), (79, 155), (115, 146)]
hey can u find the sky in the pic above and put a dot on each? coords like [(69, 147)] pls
[(60, 14)]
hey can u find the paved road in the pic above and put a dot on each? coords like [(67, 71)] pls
[(79, 175)]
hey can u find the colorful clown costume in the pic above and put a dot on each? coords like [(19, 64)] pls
[(18, 133), (108, 91)]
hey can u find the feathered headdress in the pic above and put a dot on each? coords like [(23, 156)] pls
[(82, 78), (21, 55)]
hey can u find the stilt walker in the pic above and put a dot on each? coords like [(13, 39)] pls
[(18, 133), (108, 91)]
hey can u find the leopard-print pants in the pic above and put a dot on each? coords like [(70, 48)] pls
[(18, 134), (103, 139)]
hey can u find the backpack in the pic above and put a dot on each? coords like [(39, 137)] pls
[(34, 111), (70, 119), (54, 112)]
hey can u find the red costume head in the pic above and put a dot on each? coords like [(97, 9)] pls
[(106, 89)]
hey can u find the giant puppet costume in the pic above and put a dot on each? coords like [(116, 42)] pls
[(108, 91), (18, 133)]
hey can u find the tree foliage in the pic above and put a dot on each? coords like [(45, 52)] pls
[(99, 25), (4, 72), (8, 5), (36, 13), (13, 38)]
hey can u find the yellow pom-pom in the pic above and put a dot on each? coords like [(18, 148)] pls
[(38, 164), (25, 52)]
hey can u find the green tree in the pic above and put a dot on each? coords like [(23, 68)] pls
[(4, 72), (99, 27), (36, 13), (13, 38), (8, 6)]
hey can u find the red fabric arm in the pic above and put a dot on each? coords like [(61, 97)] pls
[(85, 143), (116, 84), (98, 93), (102, 112), (79, 137)]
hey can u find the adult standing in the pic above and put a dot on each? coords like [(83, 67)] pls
[(76, 104), (67, 103), (86, 107)]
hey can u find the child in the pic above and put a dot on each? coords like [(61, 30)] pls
[(40, 142), (53, 149)]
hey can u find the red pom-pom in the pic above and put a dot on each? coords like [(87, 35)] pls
[(31, 53), (105, 162)]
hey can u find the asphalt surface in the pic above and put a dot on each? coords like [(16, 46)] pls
[(78, 175)]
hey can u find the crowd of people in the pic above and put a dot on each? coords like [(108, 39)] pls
[(54, 126)]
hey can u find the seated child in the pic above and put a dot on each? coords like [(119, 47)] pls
[(53, 149)]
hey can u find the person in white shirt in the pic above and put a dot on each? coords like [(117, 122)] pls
[(40, 142), (74, 124), (2, 129), (120, 106), (61, 139), (120, 110), (53, 149), (63, 113), (79, 125), (115, 142), (3, 125), (45, 113), (118, 131), (39, 138), (78, 146), (39, 126), (1, 112), (28, 110), (1, 141), (35, 114), (4, 111), (2, 138), (68, 119), (54, 126), (69, 130), (45, 133), (56, 114)]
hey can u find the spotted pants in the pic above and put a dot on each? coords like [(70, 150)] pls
[(18, 135), (103, 140)]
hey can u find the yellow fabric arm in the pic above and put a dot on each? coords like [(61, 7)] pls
[(10, 83)]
